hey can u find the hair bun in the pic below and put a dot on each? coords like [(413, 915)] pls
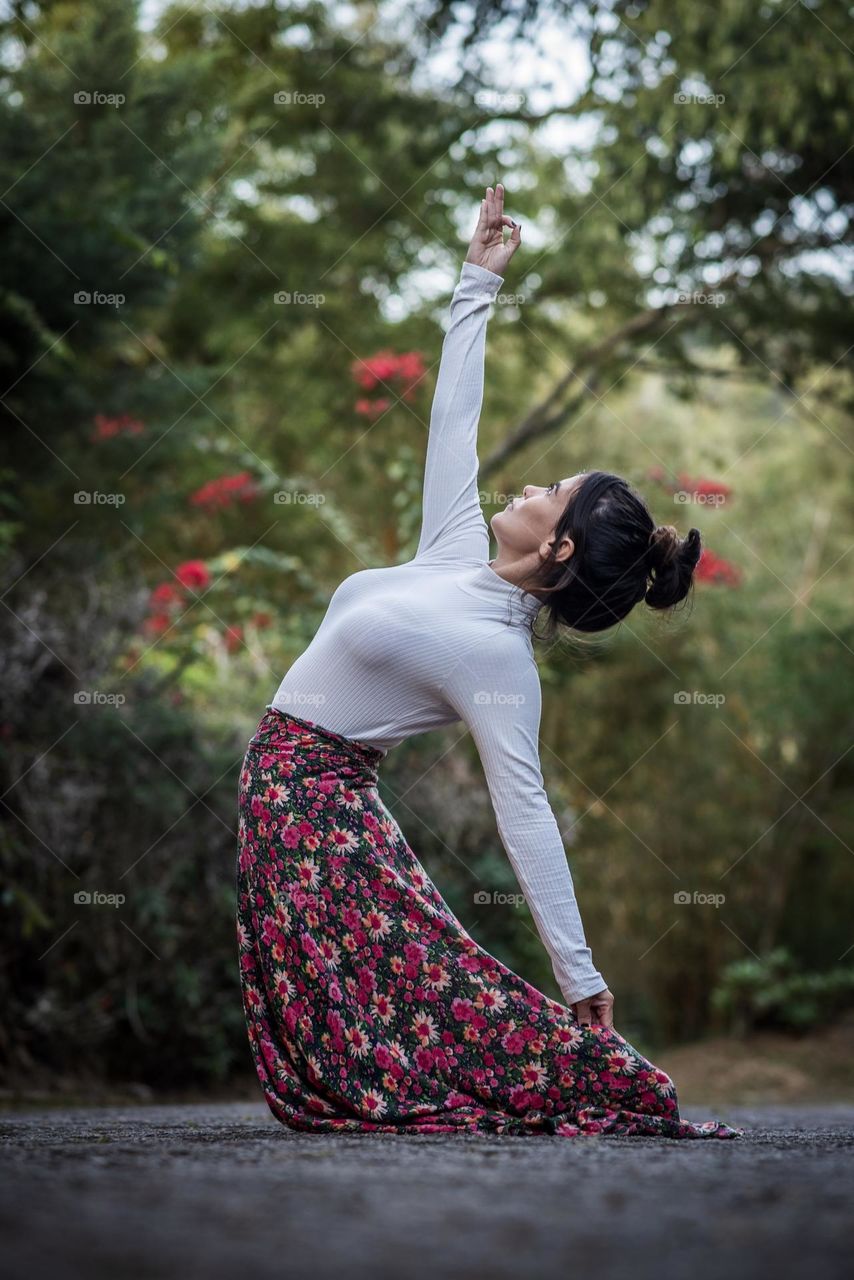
[(663, 546), (670, 564)]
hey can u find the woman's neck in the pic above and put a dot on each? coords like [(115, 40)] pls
[(517, 570)]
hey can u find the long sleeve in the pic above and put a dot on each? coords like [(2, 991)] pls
[(453, 526), (500, 701)]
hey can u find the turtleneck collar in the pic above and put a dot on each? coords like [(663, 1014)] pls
[(521, 607)]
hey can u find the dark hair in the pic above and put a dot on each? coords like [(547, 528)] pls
[(621, 557)]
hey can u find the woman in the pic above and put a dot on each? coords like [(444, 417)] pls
[(368, 1005)]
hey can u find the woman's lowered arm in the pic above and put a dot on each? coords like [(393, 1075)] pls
[(503, 713)]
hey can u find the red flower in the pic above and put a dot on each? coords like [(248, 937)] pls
[(106, 428), (262, 620), (224, 491), (392, 370), (714, 569), (372, 408), (157, 623), (702, 488), (193, 574), (233, 638), (377, 368), (166, 594)]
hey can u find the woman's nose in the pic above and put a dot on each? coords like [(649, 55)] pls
[(525, 489)]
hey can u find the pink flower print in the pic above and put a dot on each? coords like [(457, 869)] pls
[(462, 1010), (357, 1041), (513, 1042), (534, 1075), (423, 1058), (373, 1103), (424, 1029), (382, 1056), (621, 1062), (377, 924), (341, 839), (436, 976), (308, 874), (383, 1007)]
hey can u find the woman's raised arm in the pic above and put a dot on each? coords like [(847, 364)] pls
[(452, 525)]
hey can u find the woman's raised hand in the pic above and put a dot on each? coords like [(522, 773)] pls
[(487, 248)]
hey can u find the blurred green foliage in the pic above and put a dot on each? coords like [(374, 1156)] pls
[(771, 992), (237, 469)]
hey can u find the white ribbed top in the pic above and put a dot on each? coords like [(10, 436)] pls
[(443, 638)]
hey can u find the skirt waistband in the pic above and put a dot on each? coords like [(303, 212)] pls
[(371, 755)]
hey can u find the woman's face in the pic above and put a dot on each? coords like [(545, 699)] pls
[(528, 521)]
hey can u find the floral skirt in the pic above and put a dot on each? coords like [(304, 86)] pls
[(369, 1007)]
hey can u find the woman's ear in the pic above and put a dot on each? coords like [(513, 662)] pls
[(561, 550)]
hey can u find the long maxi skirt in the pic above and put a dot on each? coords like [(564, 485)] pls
[(369, 1007)]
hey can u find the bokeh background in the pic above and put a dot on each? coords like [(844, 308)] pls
[(230, 234)]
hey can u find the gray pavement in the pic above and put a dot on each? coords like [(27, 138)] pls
[(223, 1190)]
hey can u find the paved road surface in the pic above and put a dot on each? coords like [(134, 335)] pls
[(222, 1191)]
